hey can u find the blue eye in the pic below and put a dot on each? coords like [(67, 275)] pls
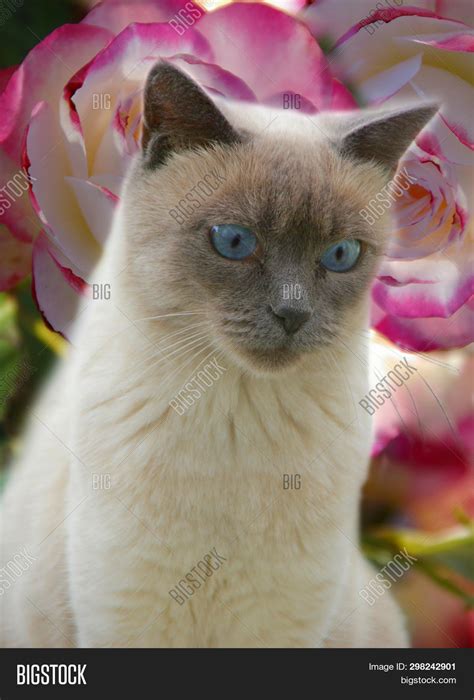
[(233, 241), (342, 256)]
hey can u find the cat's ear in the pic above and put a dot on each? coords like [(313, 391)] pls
[(178, 115), (382, 135)]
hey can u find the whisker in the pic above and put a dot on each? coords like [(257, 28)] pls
[(412, 398), (197, 350), (435, 398), (195, 333), (407, 431), (178, 350), (156, 344), (196, 368), (439, 404), (181, 342), (423, 355), (179, 332), (178, 313)]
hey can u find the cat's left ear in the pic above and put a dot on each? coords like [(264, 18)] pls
[(178, 115), (382, 135)]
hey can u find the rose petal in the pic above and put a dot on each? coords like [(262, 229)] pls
[(427, 334), (214, 79), (97, 204), (430, 215), (388, 82), (16, 260), (70, 126), (446, 87), (42, 76), (247, 40), (53, 199), (58, 292), (5, 75), (342, 98), (16, 212), (395, 42), (118, 145), (434, 286), (290, 6), (457, 9), (406, 20), (448, 41), (116, 16)]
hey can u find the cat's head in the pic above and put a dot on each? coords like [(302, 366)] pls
[(253, 216)]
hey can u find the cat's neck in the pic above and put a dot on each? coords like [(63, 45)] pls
[(204, 399)]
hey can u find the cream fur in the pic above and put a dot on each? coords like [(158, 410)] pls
[(181, 485)]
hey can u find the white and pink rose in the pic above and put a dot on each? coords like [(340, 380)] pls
[(423, 297)]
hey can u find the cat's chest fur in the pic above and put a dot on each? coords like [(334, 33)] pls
[(270, 433), (266, 473)]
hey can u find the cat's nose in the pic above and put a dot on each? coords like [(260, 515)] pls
[(291, 318)]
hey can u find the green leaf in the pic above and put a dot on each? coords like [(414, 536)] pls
[(459, 558), (446, 557)]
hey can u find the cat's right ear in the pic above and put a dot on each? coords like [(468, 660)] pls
[(382, 135), (178, 115)]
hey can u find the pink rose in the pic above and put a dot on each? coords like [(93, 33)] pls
[(72, 119), (427, 278), (423, 296), (333, 18)]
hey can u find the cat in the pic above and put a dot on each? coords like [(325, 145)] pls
[(191, 475)]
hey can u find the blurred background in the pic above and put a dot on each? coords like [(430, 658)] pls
[(420, 495)]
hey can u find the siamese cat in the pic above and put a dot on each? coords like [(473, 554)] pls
[(191, 475)]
